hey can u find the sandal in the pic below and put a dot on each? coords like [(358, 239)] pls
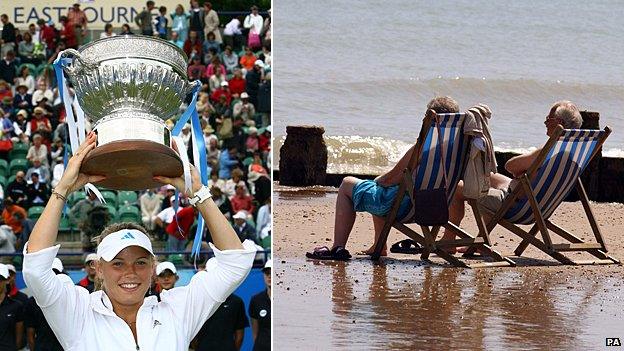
[(407, 246), (338, 253)]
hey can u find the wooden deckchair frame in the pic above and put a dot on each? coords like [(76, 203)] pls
[(543, 225), (429, 233)]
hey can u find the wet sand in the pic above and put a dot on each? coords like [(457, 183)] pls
[(403, 303)]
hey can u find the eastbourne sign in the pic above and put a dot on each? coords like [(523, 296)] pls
[(99, 12)]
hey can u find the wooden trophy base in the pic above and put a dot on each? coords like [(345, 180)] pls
[(131, 164)]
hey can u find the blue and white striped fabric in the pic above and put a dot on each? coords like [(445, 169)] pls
[(558, 174), (428, 173)]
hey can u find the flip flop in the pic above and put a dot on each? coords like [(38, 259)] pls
[(339, 253), (407, 246)]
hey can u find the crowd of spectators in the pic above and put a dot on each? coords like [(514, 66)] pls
[(233, 62)]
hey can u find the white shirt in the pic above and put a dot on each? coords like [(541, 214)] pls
[(253, 22), (232, 28), (167, 214), (83, 321)]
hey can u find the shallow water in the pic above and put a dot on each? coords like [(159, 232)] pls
[(402, 304)]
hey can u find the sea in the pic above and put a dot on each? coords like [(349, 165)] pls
[(365, 70)]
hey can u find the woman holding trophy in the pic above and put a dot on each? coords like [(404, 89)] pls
[(119, 317)]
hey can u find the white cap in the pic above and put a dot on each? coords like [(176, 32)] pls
[(244, 95), (240, 215), (57, 264), (268, 264), (11, 268), (4, 271), (169, 187), (224, 83), (165, 265), (259, 63), (91, 257), (113, 243)]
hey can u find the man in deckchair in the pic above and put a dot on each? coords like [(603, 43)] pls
[(373, 196), (562, 113)]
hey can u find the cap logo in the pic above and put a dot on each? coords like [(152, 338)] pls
[(127, 236)]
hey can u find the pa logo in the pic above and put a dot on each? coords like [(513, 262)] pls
[(263, 313), (614, 342), (127, 236)]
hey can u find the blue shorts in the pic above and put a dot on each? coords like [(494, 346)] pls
[(369, 196)]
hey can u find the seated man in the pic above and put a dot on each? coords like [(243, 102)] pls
[(562, 113), (375, 197)]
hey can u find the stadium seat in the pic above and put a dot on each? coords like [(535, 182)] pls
[(4, 168), (65, 225), (20, 150), (20, 164), (129, 214), (34, 212), (3, 181), (247, 161), (33, 68), (110, 197), (112, 211), (125, 198), (11, 179), (75, 197)]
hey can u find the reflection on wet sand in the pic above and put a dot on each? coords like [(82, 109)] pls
[(399, 306)]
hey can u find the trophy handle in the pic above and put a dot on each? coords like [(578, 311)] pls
[(76, 57)]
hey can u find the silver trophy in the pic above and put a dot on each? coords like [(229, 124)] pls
[(128, 86)]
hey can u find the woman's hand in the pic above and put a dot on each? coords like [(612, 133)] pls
[(178, 182), (72, 179)]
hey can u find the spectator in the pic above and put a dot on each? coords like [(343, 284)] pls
[(256, 165), (12, 290), (22, 99), (192, 45), (7, 126), (196, 19), (12, 321), (47, 35), (37, 191), (252, 81), (265, 34), (237, 83), (260, 186), (196, 68), (88, 282), (42, 92), (162, 23), (144, 19), (180, 228), (225, 329), (214, 66), (108, 31), (8, 240), (260, 313), (79, 215), (177, 40), (9, 36), (38, 150), (245, 111), (211, 42), (248, 59), (41, 170), (57, 173), (180, 23), (222, 201), (211, 23), (243, 229), (169, 194), (26, 50), (212, 151), (166, 276), (8, 67), (150, 206), (215, 181), (232, 35), (230, 185), (13, 215), (265, 56), (241, 201), (6, 93), (78, 21), (254, 23), (165, 217), (41, 125), (228, 162), (230, 59), (57, 152), (264, 217), (68, 33), (125, 29), (251, 144), (224, 90), (215, 80), (17, 193)]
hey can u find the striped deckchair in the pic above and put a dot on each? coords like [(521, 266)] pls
[(425, 171), (541, 190)]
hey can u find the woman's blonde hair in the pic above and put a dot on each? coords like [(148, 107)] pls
[(110, 229)]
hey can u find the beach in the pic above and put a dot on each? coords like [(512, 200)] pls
[(404, 303)]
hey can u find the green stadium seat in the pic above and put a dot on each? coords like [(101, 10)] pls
[(129, 214), (65, 225), (112, 210), (75, 197), (110, 197), (16, 165), (35, 212), (4, 167), (31, 67), (247, 161), (42, 67), (11, 179), (125, 198), (3, 181)]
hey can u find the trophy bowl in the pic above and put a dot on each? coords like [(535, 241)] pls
[(128, 86)]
